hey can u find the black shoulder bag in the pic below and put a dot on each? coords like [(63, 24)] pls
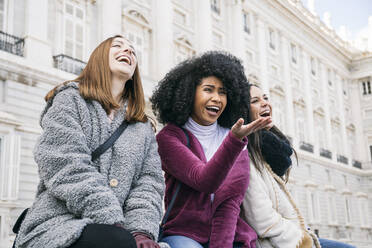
[(166, 215), (95, 154)]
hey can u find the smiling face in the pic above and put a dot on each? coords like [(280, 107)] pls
[(122, 59), (209, 102), (260, 105)]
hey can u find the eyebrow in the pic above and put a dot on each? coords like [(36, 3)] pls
[(212, 86), (123, 43)]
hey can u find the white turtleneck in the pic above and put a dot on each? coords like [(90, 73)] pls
[(210, 137)]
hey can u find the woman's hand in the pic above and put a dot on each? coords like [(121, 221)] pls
[(240, 131), (143, 241)]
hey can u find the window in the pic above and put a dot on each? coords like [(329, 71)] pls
[(309, 172), (329, 78), (9, 166), (1, 225), (332, 217), (329, 178), (313, 206), (301, 129), (313, 66), (321, 138), (2, 14), (272, 39), (215, 5), (2, 91), (347, 210), (246, 22), (74, 30), (294, 53), (367, 88), (364, 214), (344, 87), (345, 180)]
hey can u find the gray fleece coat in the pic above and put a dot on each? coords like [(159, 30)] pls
[(74, 191)]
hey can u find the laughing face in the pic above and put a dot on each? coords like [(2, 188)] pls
[(209, 102), (122, 58), (260, 105)]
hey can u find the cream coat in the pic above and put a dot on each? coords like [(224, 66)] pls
[(269, 209)]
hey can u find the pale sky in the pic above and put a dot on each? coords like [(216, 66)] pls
[(351, 13)]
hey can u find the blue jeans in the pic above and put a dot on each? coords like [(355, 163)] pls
[(177, 241), (326, 243)]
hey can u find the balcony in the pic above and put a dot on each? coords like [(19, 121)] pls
[(306, 147), (325, 153), (357, 164), (69, 64), (342, 159), (11, 44)]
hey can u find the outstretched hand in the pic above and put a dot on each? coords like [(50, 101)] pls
[(240, 131)]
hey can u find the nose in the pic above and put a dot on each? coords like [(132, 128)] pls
[(128, 50), (264, 103), (216, 97)]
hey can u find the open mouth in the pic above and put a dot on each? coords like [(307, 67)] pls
[(213, 109), (124, 59), (265, 113)]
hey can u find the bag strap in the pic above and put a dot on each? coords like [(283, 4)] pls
[(110, 141), (166, 215), (95, 154)]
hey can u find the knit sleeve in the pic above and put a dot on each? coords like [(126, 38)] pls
[(65, 166), (143, 207), (259, 212), (179, 161)]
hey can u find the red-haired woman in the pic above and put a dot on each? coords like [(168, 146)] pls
[(104, 202)]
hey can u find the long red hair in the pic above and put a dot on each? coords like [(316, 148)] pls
[(95, 84)]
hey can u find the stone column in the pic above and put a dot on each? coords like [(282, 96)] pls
[(308, 99), (362, 151), (341, 109), (37, 47), (262, 47), (328, 126), (236, 32), (290, 118), (163, 36), (204, 26), (111, 18)]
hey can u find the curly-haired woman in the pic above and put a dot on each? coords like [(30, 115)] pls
[(111, 201), (268, 206), (206, 96)]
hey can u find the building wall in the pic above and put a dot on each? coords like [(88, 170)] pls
[(314, 79)]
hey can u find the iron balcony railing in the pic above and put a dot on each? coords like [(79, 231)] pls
[(342, 159), (306, 146), (357, 164), (11, 44), (69, 64), (325, 153)]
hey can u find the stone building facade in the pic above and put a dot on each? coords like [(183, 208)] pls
[(320, 87)]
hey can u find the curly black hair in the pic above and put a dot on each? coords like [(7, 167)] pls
[(173, 99)]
